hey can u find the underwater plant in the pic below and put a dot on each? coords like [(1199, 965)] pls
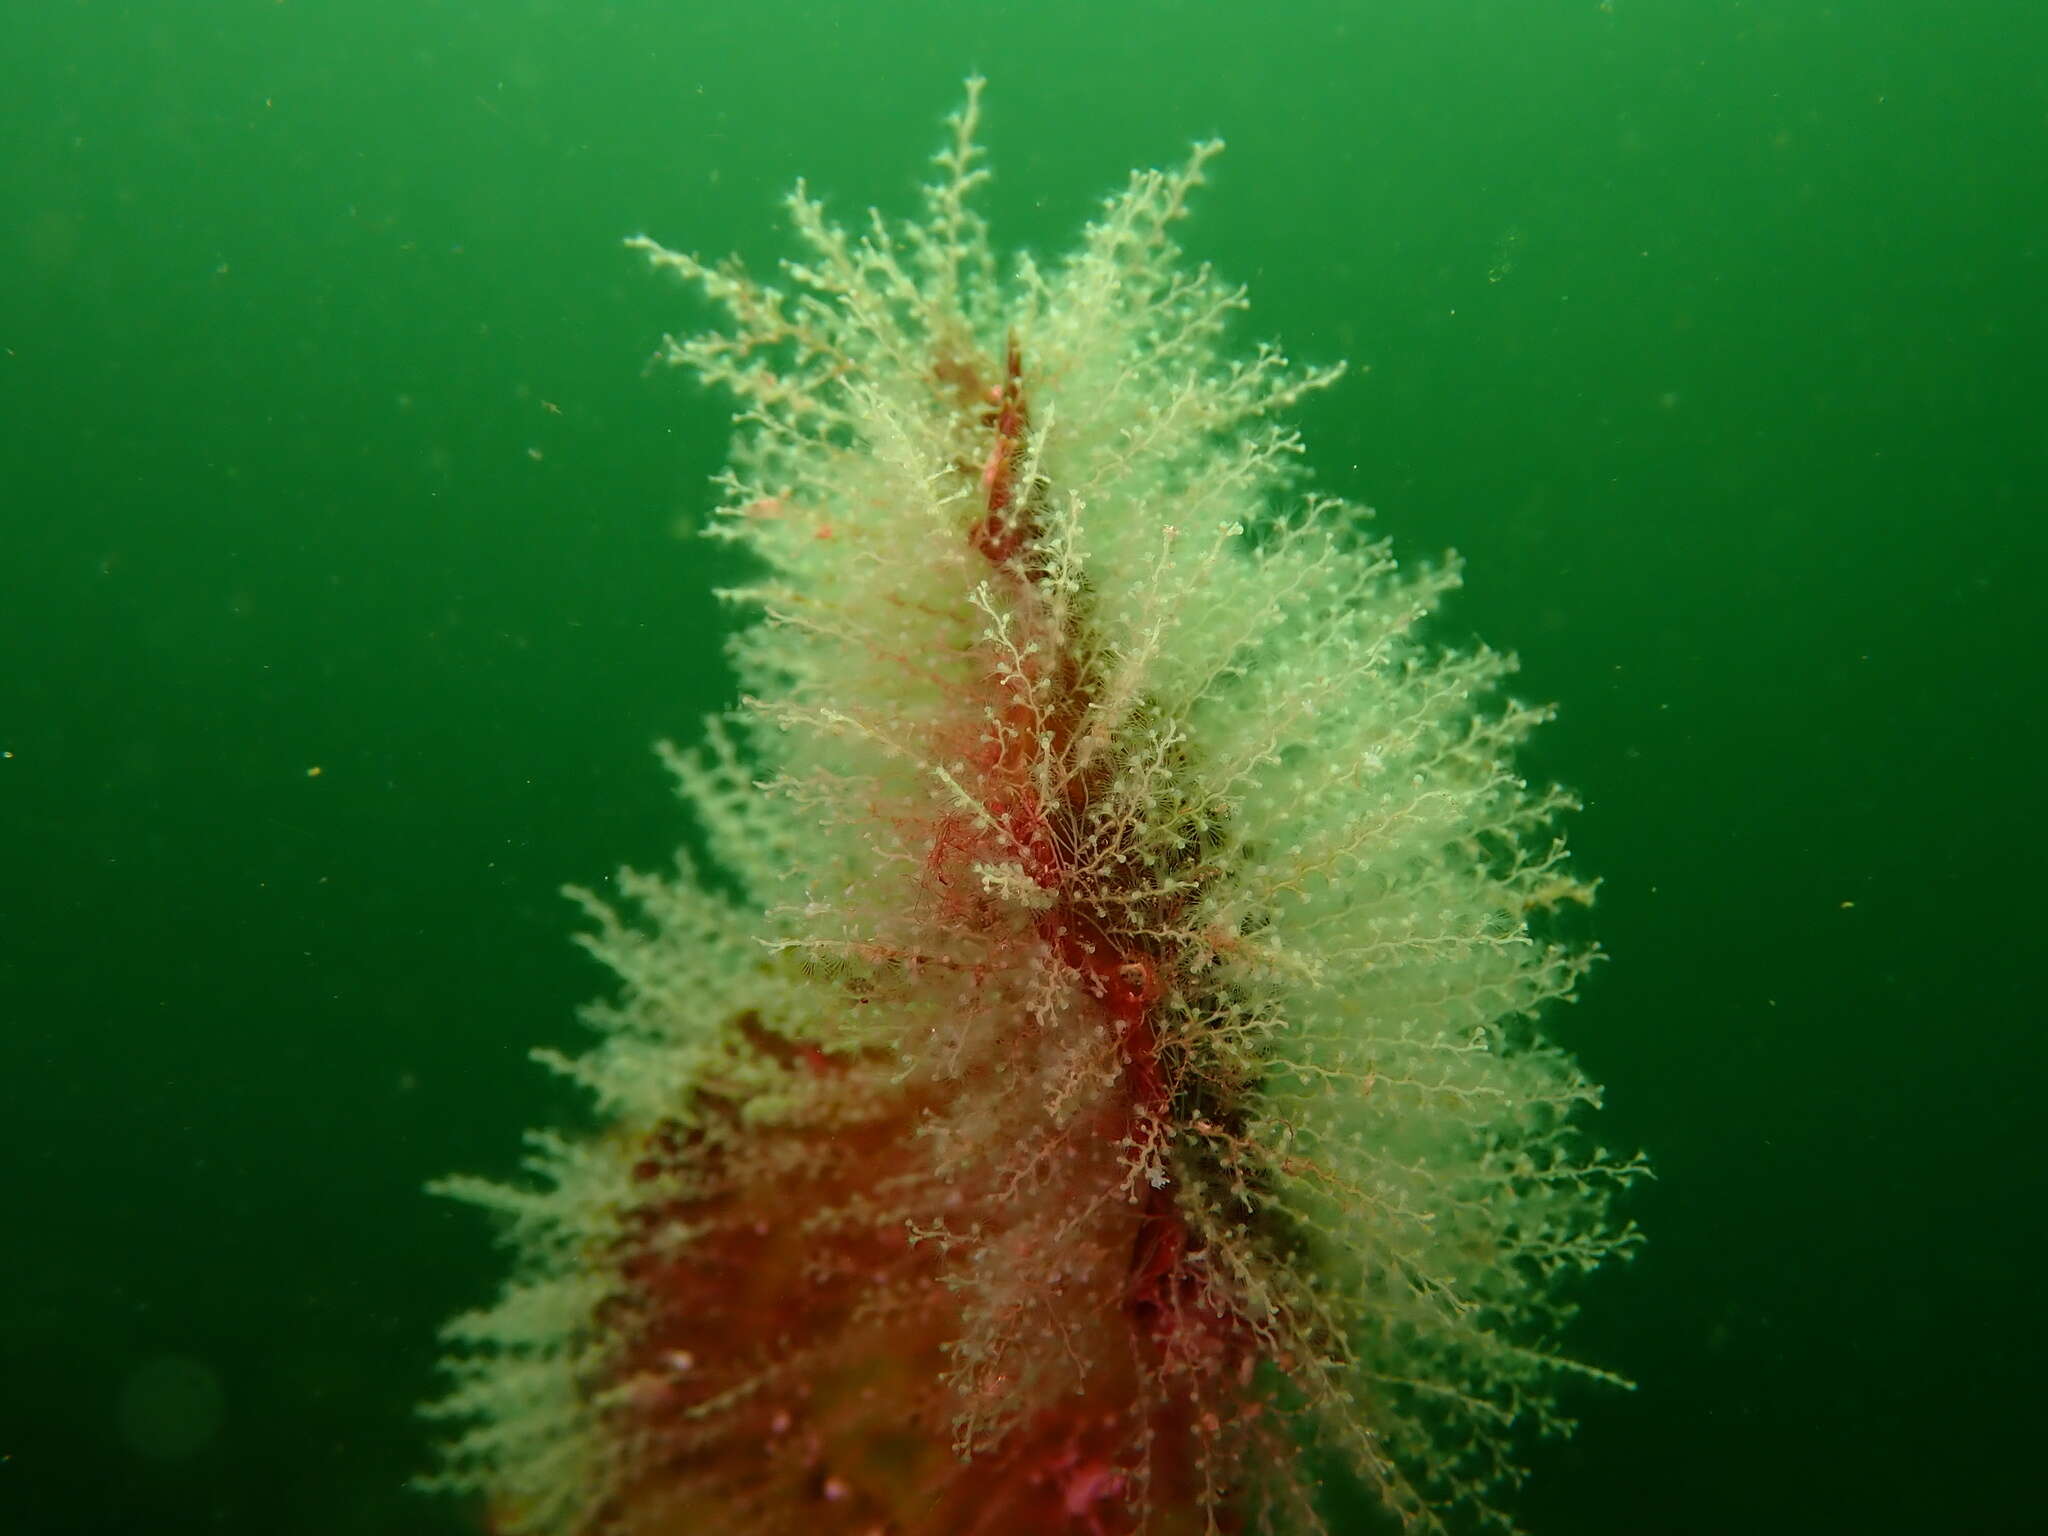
[(1101, 1057)]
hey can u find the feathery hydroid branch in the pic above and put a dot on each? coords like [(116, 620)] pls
[(1107, 1055)]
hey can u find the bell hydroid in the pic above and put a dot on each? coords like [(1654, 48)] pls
[(1101, 1058)]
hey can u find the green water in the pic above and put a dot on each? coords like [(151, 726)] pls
[(339, 603)]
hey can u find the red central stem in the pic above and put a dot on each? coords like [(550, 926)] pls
[(1122, 976)]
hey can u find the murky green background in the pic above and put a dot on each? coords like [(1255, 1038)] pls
[(339, 604)]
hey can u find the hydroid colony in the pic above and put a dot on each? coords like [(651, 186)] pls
[(1104, 1056)]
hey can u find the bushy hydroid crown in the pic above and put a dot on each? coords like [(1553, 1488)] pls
[(1104, 1057)]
